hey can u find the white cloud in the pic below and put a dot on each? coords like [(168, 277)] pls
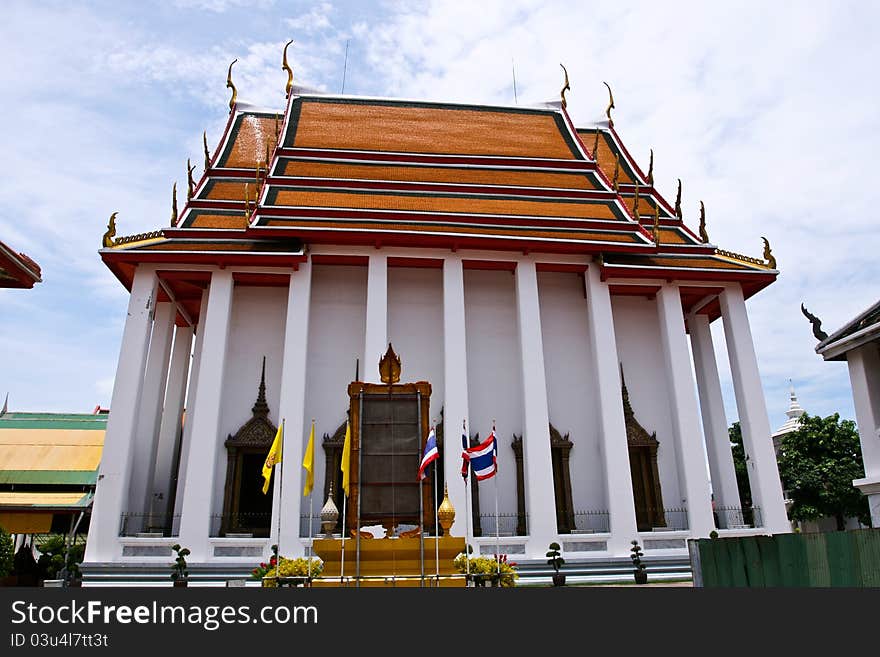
[(316, 19)]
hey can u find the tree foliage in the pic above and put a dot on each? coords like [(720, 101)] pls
[(817, 464), (739, 465), (6, 548)]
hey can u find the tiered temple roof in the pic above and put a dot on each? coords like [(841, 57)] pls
[(17, 270), (360, 171)]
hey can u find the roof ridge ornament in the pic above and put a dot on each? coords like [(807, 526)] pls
[(174, 204), (229, 85), (207, 155), (565, 87), (650, 177), (704, 236), (615, 182), (596, 147), (657, 226), (768, 255), (247, 201), (190, 183), (636, 203), (286, 67), (818, 333), (107, 240), (678, 200), (610, 105)]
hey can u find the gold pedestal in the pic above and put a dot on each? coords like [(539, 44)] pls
[(390, 562)]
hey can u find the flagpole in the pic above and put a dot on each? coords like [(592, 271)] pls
[(280, 484), (311, 508), (495, 477), (467, 510), (360, 465), (436, 529), (342, 559)]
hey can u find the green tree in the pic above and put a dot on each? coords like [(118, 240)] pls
[(817, 464), (6, 548), (739, 465)]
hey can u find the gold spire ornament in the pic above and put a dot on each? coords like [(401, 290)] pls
[(174, 204), (190, 183), (678, 200), (207, 155), (107, 240), (768, 255), (565, 87), (286, 67), (229, 85), (446, 512), (389, 366), (704, 236), (657, 226), (615, 182), (610, 105), (636, 202), (651, 169)]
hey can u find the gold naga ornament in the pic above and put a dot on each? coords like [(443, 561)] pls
[(704, 236), (107, 240), (610, 105), (657, 226), (678, 200), (615, 182), (768, 255), (207, 155), (286, 67), (651, 169), (446, 512), (596, 146), (565, 87), (190, 183), (174, 204), (247, 201), (636, 203), (231, 86), (389, 366)]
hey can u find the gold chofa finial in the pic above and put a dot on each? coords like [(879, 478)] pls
[(657, 226), (636, 202), (389, 366), (651, 169), (565, 87), (174, 204), (207, 155), (614, 182), (107, 240), (190, 183), (678, 200), (229, 85), (768, 256), (286, 67), (596, 146), (610, 105), (704, 236)]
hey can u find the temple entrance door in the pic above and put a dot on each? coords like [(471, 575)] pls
[(637, 467), (254, 511)]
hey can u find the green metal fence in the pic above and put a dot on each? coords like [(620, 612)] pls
[(850, 558)]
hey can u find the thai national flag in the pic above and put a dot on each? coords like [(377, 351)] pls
[(431, 453), (483, 458)]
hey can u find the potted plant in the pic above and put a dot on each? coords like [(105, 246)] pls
[(179, 573), (640, 573), (555, 559)]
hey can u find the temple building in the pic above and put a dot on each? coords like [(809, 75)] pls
[(17, 270), (528, 274)]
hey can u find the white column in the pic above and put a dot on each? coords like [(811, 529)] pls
[(376, 333), (206, 441), (683, 409), (864, 375), (752, 408), (292, 410), (188, 414), (150, 409), (540, 500), (609, 404), (172, 415), (455, 393), (721, 468), (111, 492)]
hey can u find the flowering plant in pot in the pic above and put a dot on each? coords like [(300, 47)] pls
[(179, 573), (555, 559), (483, 568), (640, 573)]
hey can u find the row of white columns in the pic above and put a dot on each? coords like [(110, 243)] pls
[(139, 430)]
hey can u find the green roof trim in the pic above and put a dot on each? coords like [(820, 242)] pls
[(44, 477), (82, 421)]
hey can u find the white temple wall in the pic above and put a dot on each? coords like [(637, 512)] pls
[(256, 329), (570, 388), (415, 330), (494, 375), (636, 328), (336, 341)]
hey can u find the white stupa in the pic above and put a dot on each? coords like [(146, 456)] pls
[(794, 414)]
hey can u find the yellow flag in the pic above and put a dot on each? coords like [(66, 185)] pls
[(346, 458), (273, 457), (309, 463)]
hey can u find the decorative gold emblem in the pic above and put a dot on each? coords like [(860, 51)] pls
[(651, 169), (636, 202), (565, 87), (190, 183), (286, 67), (107, 240), (174, 204), (657, 226), (768, 255), (704, 236), (229, 85), (678, 200), (614, 182), (389, 366), (610, 105), (207, 155), (446, 512)]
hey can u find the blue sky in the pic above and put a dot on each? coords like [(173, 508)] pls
[(767, 113)]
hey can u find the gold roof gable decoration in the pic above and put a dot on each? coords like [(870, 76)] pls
[(389, 366)]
